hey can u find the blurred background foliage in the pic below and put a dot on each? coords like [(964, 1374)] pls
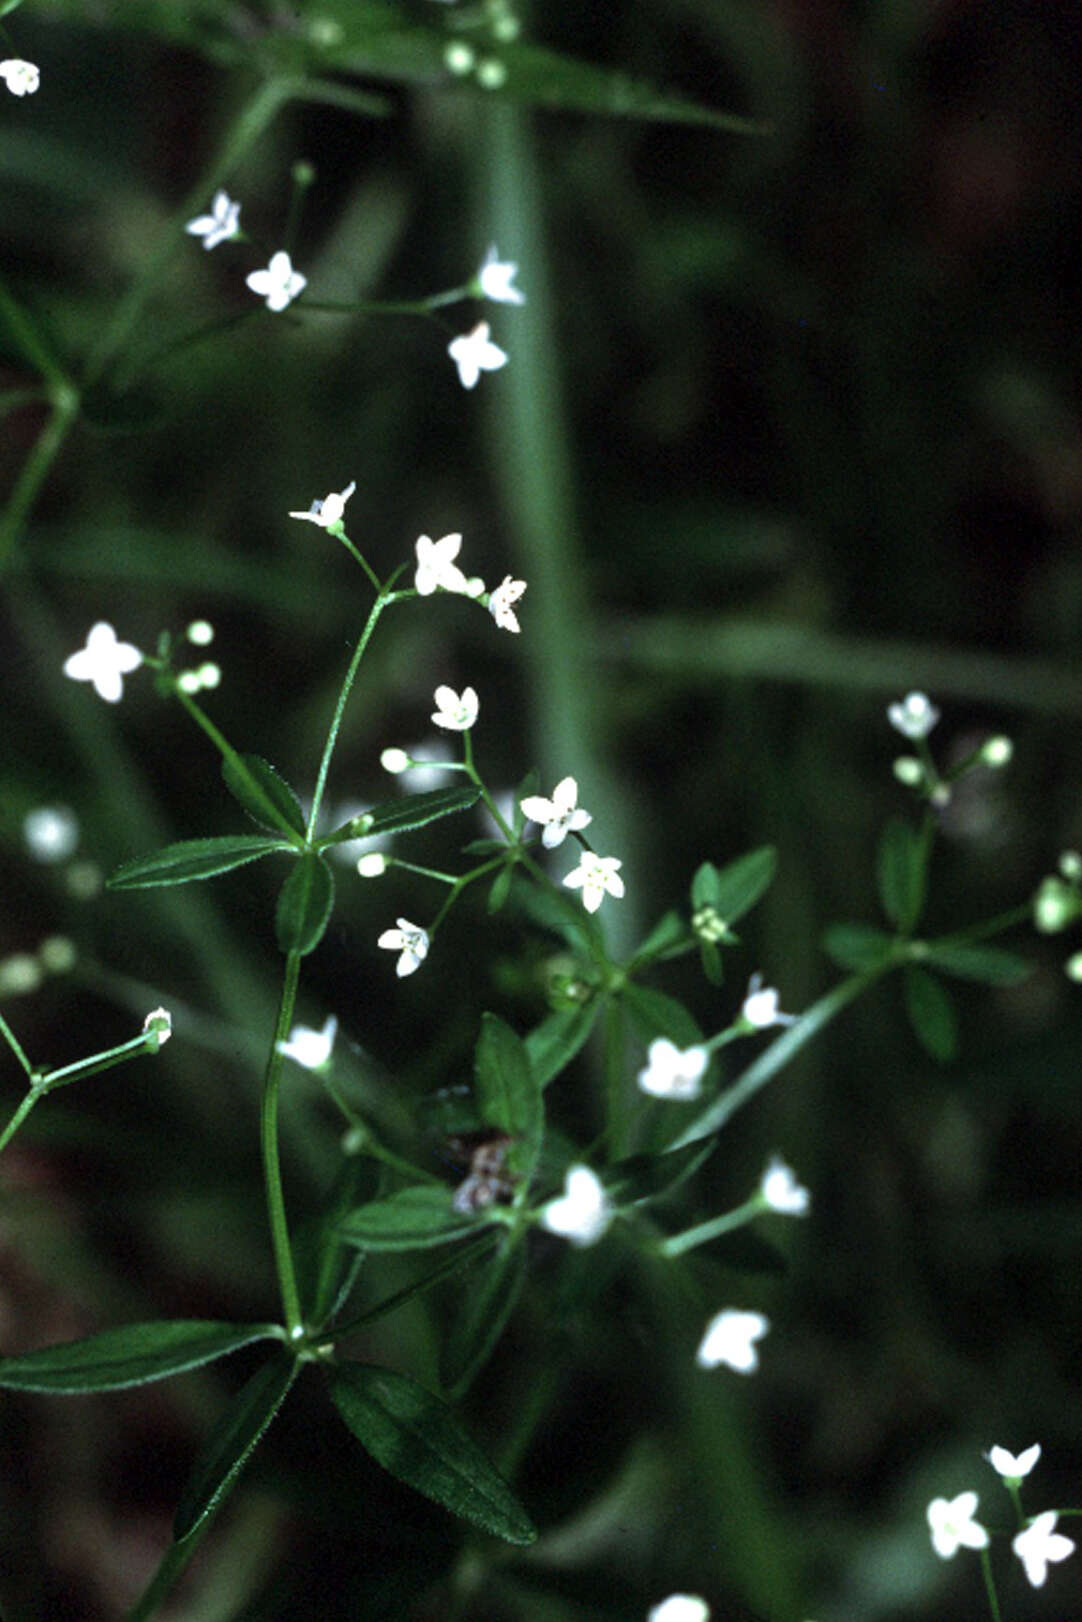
[(790, 426)]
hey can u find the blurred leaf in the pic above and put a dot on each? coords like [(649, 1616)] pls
[(134, 1355), (418, 1440), (930, 1014), (710, 959), (733, 890), (227, 1449), (264, 794), (305, 903), (857, 946), (501, 886), (990, 964), (408, 811), (648, 1177), (413, 1219), (484, 1309), (654, 1013), (901, 872), (746, 1252), (508, 1096), (7, 6), (108, 410), (553, 1044), (670, 933), (193, 859), (559, 912)]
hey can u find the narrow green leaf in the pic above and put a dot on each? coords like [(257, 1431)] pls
[(508, 1096), (417, 1439), (901, 873), (858, 946), (649, 1177), (559, 912), (193, 859), (231, 1442), (554, 1043), (670, 934), (414, 1219), (266, 796), (710, 958), (990, 964), (654, 1013), (501, 886), (134, 1355), (486, 1305), (411, 811), (930, 1014), (733, 890), (305, 903), (8, 6)]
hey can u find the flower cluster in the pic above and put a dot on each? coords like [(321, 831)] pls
[(953, 1524)]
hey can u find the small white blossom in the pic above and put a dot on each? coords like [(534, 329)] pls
[(220, 224), (597, 876), (997, 752), (57, 954), (279, 284), (673, 1072), (436, 566), (474, 353), (22, 78), (909, 771), (501, 603), (730, 1339), (456, 714), (459, 58), (495, 277), (200, 633), (951, 1523), (51, 832), (781, 1191), (409, 940), (760, 1007), (104, 661), (1040, 1545), (1010, 1467), (680, 1608), (159, 1020), (559, 816), (372, 865), (491, 73), (914, 717), (582, 1213), (328, 511), (394, 761), (309, 1047)]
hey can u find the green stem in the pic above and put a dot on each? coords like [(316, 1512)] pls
[(15, 1045), (19, 1117), (272, 1169), (992, 926), (990, 1585), (705, 1231), (35, 470), (385, 596)]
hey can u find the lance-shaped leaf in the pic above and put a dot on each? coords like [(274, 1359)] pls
[(669, 937), (508, 1095), (227, 1449), (417, 1439), (901, 872), (134, 1355), (413, 1219), (485, 1306), (858, 946), (408, 811), (653, 1013), (193, 859), (930, 1014), (267, 797), (554, 1043), (305, 903), (990, 964), (648, 1177), (733, 890)]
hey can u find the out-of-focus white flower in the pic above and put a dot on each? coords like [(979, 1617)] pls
[(914, 717), (200, 633), (104, 661), (454, 713), (22, 78), (279, 284), (582, 1212), (495, 277), (195, 681), (372, 865), (51, 832), (673, 1072), (730, 1338), (559, 816), (410, 941), (782, 1192), (308, 1047), (501, 603), (474, 353), (1039, 1545), (459, 58), (394, 761), (760, 1007), (680, 1608), (160, 1021), (1013, 1468), (220, 224), (951, 1523), (328, 511), (596, 876), (436, 566)]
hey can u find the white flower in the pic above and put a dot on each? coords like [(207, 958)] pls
[(51, 832), (279, 284), (408, 939), (160, 1021), (220, 224), (200, 633), (309, 1047), (328, 511), (104, 661), (730, 1338), (456, 714), (680, 1608), (474, 353), (760, 1006), (495, 277), (951, 1523), (372, 865), (22, 78), (560, 816), (673, 1072), (781, 1191), (582, 1213), (436, 565), (1039, 1545), (501, 601), (596, 875), (394, 761), (914, 717), (1013, 1468)]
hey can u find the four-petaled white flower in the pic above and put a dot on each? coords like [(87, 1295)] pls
[(730, 1339), (495, 277), (501, 603), (22, 78), (1040, 1544), (1010, 1467), (596, 876), (279, 284), (309, 1047), (680, 1608), (673, 1072), (781, 1191), (328, 511), (456, 714), (436, 565), (104, 661), (409, 940), (760, 1007), (220, 224), (474, 353), (951, 1523), (559, 816), (914, 717), (582, 1213)]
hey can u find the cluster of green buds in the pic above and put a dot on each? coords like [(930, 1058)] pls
[(1058, 903)]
